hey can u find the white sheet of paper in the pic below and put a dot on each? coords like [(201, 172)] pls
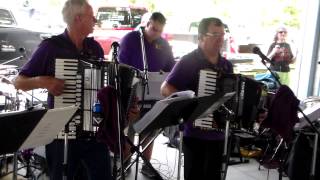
[(155, 79), (49, 126), (159, 107)]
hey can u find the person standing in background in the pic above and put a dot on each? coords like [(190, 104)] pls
[(158, 55), (158, 51), (281, 55)]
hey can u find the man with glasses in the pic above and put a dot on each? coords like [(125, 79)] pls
[(158, 55), (202, 147), (39, 73)]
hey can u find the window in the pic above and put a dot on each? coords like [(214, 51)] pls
[(6, 18), (124, 17)]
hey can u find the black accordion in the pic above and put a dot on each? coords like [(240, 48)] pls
[(247, 100), (82, 82), (128, 79)]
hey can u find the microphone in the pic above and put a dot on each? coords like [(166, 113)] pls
[(115, 44), (23, 52), (257, 51)]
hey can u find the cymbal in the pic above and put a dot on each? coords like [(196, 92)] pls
[(2, 67)]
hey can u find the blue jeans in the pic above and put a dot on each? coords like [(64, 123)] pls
[(93, 155)]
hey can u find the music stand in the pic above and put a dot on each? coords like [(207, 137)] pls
[(32, 128), (205, 106), (170, 111)]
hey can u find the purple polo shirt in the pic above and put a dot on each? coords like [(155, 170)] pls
[(158, 53), (185, 75), (42, 62)]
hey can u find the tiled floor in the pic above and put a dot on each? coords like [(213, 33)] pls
[(165, 161)]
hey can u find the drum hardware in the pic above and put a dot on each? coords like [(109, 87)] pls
[(10, 97)]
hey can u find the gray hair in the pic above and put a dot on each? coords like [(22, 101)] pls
[(71, 9)]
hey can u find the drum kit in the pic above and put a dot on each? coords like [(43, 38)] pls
[(12, 99), (8, 94)]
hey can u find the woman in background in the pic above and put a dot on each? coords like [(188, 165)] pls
[(281, 55)]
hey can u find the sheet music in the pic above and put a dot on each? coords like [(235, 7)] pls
[(159, 107), (155, 80), (49, 126)]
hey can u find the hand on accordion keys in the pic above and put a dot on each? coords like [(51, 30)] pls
[(54, 85), (206, 123)]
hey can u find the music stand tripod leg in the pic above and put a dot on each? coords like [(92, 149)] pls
[(137, 156), (65, 157), (225, 156), (135, 148), (314, 157), (180, 147), (225, 152), (15, 166)]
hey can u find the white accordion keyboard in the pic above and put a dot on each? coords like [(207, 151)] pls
[(67, 69), (207, 86), (207, 83)]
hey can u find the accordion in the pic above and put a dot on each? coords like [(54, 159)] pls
[(128, 78), (82, 81), (247, 100)]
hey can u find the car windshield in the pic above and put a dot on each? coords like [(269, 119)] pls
[(6, 18), (111, 17)]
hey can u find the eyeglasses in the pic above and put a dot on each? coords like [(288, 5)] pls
[(156, 30), (215, 34), (280, 32)]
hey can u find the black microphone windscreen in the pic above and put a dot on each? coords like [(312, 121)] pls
[(256, 50), (115, 44)]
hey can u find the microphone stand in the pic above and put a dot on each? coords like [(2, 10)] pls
[(145, 86), (115, 47), (317, 133), (276, 77), (145, 83), (22, 51), (11, 60)]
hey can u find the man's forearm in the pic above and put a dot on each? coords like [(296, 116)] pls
[(167, 89), (28, 83)]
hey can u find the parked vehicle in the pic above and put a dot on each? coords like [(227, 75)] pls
[(16, 44), (6, 18), (114, 22)]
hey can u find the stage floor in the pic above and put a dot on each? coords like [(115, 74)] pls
[(165, 161)]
